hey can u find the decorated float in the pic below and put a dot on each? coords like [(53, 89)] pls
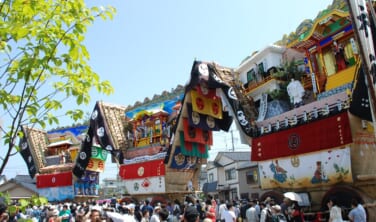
[(50, 158), (161, 145), (324, 146)]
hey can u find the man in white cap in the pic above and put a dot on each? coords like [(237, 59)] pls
[(277, 214), (155, 216)]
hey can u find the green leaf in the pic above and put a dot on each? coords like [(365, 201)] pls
[(45, 62)]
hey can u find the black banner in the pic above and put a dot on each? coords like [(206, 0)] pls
[(26, 155), (98, 132), (208, 72)]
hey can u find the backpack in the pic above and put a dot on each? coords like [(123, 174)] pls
[(281, 218), (176, 211), (268, 216)]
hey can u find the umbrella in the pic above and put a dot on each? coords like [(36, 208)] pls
[(293, 196)]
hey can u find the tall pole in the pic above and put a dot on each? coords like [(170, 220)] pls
[(232, 141)]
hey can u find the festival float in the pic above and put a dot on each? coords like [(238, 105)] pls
[(160, 145), (50, 157), (324, 145)]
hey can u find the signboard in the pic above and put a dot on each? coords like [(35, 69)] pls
[(322, 168)]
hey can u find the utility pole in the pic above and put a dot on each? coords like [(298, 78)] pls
[(232, 140)]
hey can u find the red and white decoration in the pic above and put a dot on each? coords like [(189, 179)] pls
[(54, 180), (144, 177), (322, 134)]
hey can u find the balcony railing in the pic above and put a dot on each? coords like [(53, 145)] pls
[(254, 85)]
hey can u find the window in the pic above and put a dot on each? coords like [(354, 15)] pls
[(244, 196), (251, 75), (230, 174), (261, 69), (252, 176), (211, 178), (234, 193)]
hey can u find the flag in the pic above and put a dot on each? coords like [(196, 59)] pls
[(98, 153), (84, 155), (201, 121), (238, 110), (26, 155), (180, 161), (360, 102), (204, 105), (203, 90), (193, 149), (97, 134), (226, 121), (214, 81), (96, 165), (197, 135)]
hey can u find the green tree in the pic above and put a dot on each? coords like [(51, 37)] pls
[(44, 64)]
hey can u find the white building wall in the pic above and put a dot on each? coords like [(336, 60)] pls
[(270, 56)]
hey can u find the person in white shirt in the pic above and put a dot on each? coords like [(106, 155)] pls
[(229, 213), (221, 209), (251, 213), (335, 211), (155, 216)]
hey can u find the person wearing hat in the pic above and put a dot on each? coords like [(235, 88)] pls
[(277, 213), (191, 214), (155, 216), (54, 215)]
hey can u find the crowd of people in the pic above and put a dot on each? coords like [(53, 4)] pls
[(191, 210)]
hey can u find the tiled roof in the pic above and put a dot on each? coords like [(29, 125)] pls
[(37, 140), (114, 116), (244, 165), (25, 181)]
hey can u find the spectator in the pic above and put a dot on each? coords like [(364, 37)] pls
[(155, 216), (191, 214), (163, 215), (210, 210), (65, 214), (251, 213), (229, 213), (145, 216), (335, 211), (4, 217), (357, 213)]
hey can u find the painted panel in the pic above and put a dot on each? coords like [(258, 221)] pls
[(146, 185), (57, 193), (326, 168)]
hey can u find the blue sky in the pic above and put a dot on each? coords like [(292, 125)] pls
[(150, 46)]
